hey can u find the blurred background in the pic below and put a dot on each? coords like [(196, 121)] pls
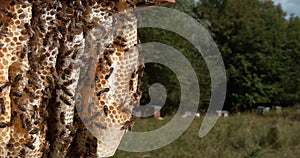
[(260, 44)]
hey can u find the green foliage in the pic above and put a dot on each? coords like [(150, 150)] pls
[(254, 39), (260, 48)]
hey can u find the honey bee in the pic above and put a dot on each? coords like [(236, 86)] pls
[(22, 108), (65, 100), (65, 90), (72, 130), (67, 53), (58, 104), (62, 133), (22, 152), (102, 91), (35, 67), (86, 120), (3, 110), (9, 145), (32, 95), (12, 3), (46, 148), (140, 70), (30, 145), (131, 85), (100, 126), (43, 57), (105, 110), (35, 77), (14, 114), (122, 103), (29, 30), (133, 75), (16, 94), (69, 82), (4, 86), (109, 73), (18, 78), (62, 117), (3, 124), (128, 125), (22, 55), (49, 79), (34, 131)]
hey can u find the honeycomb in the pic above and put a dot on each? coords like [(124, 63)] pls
[(42, 47)]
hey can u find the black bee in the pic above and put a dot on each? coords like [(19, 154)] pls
[(4, 86), (46, 147), (127, 126), (35, 77), (69, 82), (22, 108), (22, 152), (105, 110), (12, 3), (65, 90), (3, 125), (67, 53), (35, 67), (29, 30), (102, 91), (100, 126), (43, 57), (109, 73), (32, 95), (30, 145), (49, 79), (131, 85), (58, 104), (23, 54), (72, 130), (65, 100), (62, 117), (14, 114), (34, 131), (86, 120), (133, 75), (16, 94), (4, 33), (18, 77), (3, 110), (121, 38), (9, 145)]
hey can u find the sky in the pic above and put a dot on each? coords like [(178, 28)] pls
[(290, 6)]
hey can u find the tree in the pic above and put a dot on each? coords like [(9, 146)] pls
[(251, 36)]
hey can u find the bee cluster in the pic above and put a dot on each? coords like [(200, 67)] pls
[(41, 44)]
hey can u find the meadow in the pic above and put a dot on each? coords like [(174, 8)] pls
[(245, 135)]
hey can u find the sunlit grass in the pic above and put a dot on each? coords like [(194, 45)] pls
[(246, 135)]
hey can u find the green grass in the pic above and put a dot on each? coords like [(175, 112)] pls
[(245, 136)]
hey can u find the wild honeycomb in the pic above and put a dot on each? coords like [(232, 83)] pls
[(41, 45)]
